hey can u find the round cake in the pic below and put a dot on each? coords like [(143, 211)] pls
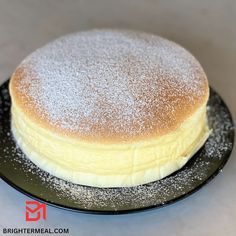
[(110, 108)]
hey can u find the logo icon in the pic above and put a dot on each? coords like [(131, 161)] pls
[(35, 211)]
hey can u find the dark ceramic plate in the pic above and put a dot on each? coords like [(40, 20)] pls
[(23, 175)]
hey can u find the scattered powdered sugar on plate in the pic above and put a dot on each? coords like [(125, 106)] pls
[(113, 82), (16, 168)]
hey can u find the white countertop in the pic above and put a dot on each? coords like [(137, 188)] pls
[(206, 28)]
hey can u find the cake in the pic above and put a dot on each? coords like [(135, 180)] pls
[(109, 108)]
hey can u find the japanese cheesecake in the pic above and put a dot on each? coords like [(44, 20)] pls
[(110, 108)]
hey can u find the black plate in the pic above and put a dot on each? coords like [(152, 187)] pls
[(23, 175)]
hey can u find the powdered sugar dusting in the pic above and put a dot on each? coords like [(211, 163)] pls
[(17, 168), (120, 83)]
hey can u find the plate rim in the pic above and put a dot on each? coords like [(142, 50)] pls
[(137, 210)]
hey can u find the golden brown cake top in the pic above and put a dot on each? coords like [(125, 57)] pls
[(110, 85)]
